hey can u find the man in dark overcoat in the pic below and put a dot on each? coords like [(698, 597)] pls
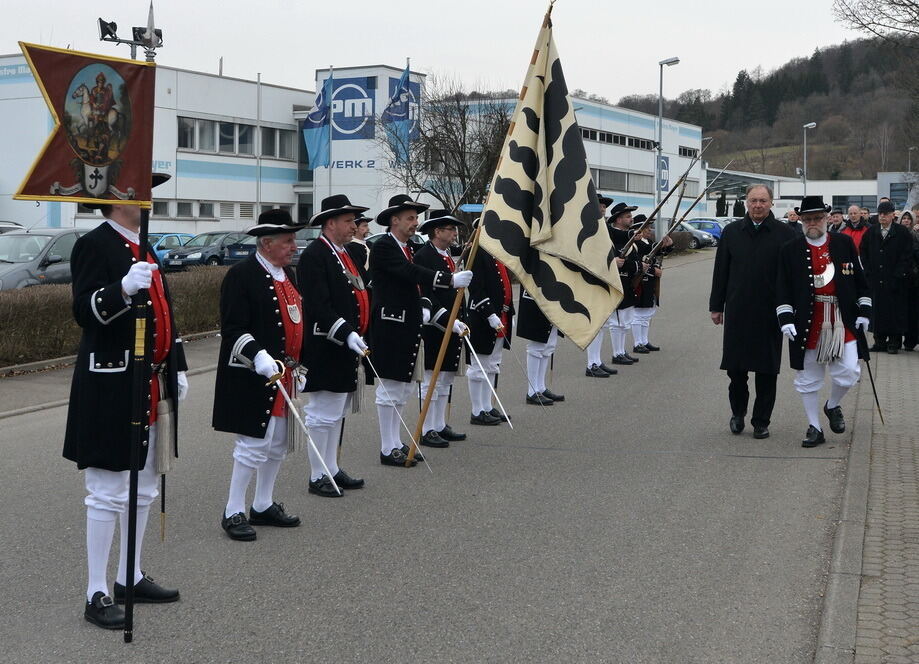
[(336, 305), (647, 297), (887, 257), (542, 340), (108, 269), (743, 300), (822, 301), (261, 327), (441, 228), (399, 311)]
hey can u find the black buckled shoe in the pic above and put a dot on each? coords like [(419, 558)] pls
[(323, 487), (642, 349), (609, 370), (449, 434), (494, 412), (737, 424), (652, 347), (539, 399), (893, 350), (275, 515), (102, 611), (433, 439), (623, 360), (813, 437), (345, 481), (484, 419), (834, 415), (396, 458), (238, 528), (760, 432), (147, 591), (629, 357), (552, 395), (594, 371), (418, 455)]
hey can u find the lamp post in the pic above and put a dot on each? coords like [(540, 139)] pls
[(669, 62), (909, 159), (809, 125)]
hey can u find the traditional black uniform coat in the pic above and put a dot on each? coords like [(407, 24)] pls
[(330, 315), (795, 291), (532, 323), (743, 288), (98, 421), (359, 253), (486, 297), (646, 296), (629, 269), (887, 263), (250, 321), (441, 305), (395, 322)]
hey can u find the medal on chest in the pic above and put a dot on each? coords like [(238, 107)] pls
[(821, 280), (293, 312)]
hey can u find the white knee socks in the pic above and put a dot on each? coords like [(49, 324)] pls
[(486, 392), (617, 335), (533, 374), (389, 428), (837, 392), (812, 408), (476, 388), (594, 350), (100, 529), (142, 513), (239, 482), (265, 477)]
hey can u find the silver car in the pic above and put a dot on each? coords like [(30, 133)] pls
[(38, 256)]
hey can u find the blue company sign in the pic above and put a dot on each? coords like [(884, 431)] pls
[(353, 108), (414, 103), (663, 183)]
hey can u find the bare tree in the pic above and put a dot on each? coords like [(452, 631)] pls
[(893, 20), (456, 140)]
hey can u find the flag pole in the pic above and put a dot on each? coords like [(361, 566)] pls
[(331, 122)]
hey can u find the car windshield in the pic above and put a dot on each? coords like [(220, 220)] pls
[(21, 248), (153, 238), (308, 233), (203, 240)]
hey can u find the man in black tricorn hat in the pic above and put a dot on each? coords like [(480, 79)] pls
[(620, 322), (336, 305), (108, 269), (441, 228), (398, 313), (822, 299), (605, 202), (261, 327)]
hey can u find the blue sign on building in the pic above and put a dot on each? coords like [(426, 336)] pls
[(663, 184), (353, 108), (414, 103)]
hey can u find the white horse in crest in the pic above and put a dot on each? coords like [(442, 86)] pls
[(114, 118)]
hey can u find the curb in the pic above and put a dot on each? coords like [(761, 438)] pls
[(63, 402), (839, 618)]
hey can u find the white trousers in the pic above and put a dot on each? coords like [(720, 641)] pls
[(253, 452), (391, 396), (261, 457), (107, 499), (538, 357), (844, 373), (323, 415), (619, 324), (479, 392), (641, 324), (436, 417)]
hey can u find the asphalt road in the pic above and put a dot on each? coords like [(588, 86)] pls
[(624, 525)]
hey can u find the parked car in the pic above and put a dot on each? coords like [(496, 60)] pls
[(699, 238), (417, 239), (163, 243), (7, 226), (239, 251), (203, 249), (709, 225), (38, 256)]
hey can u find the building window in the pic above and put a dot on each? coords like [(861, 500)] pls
[(246, 139), (207, 130), (692, 187), (642, 184), (267, 206), (304, 172), (187, 133), (206, 210), (268, 142), (843, 202), (286, 144), (184, 209), (899, 193), (227, 132), (160, 208), (246, 210), (304, 207), (692, 153), (616, 139), (227, 210), (614, 180)]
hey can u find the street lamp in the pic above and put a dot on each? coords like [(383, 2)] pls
[(809, 125), (669, 62), (909, 159)]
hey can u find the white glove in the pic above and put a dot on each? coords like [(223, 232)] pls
[(460, 328), (425, 315), (861, 322), (183, 386), (301, 381), (140, 276), (356, 344), (789, 331), (462, 279), (265, 364), (494, 321)]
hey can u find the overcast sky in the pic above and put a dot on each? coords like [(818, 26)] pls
[(607, 47)]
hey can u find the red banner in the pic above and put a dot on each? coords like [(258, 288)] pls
[(101, 148)]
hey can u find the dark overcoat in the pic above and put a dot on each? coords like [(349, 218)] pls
[(743, 288), (532, 323), (646, 295), (795, 292), (486, 297), (888, 264), (395, 324), (629, 269), (330, 315), (99, 418), (441, 305), (250, 321)]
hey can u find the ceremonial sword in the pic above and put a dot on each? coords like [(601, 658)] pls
[(475, 356), (877, 402)]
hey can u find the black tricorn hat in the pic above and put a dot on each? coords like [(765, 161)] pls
[(156, 179), (333, 206), (638, 220), (812, 204), (438, 218), (605, 200), (398, 203), (274, 222), (620, 208), (885, 207)]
